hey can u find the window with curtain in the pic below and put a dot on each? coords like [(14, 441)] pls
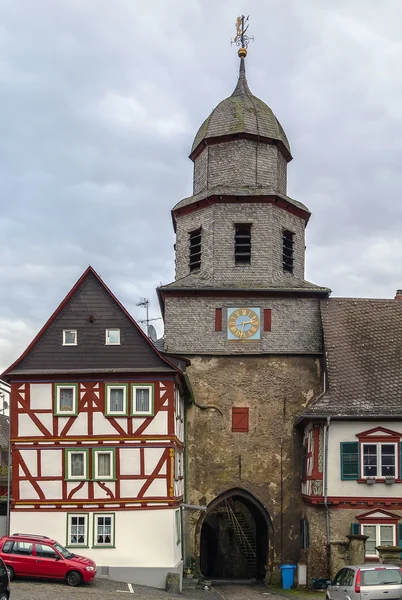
[(104, 528)]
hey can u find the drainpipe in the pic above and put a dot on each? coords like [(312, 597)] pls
[(326, 484)]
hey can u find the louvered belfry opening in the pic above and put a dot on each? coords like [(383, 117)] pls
[(195, 249), (243, 244), (287, 251)]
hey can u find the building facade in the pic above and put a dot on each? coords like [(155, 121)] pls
[(97, 434), (242, 311), (352, 433)]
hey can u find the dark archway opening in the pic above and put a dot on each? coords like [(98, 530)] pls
[(234, 539)]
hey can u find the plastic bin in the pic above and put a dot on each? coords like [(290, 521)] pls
[(287, 576)]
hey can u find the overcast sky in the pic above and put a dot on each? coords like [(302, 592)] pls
[(99, 104)]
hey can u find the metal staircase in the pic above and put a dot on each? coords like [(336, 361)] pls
[(243, 533)]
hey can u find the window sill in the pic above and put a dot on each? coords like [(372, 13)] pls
[(378, 480), (116, 415), (76, 546), (105, 547)]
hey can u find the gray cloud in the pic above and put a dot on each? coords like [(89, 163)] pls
[(99, 105)]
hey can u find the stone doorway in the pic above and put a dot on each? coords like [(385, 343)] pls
[(234, 539)]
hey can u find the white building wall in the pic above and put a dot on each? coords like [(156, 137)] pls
[(143, 538), (345, 431)]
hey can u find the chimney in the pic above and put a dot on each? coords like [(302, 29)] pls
[(398, 295)]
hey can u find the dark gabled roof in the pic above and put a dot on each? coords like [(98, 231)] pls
[(363, 348), (4, 431), (90, 308)]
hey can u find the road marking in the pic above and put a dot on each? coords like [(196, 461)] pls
[(129, 591)]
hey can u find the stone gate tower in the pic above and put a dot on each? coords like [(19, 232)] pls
[(242, 312)]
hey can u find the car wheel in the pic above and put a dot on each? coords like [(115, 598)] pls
[(11, 572), (4, 597), (73, 578)]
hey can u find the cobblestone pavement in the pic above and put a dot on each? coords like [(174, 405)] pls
[(25, 589)]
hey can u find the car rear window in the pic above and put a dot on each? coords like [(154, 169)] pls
[(381, 577)]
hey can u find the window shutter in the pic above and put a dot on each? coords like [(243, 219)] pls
[(218, 319), (302, 533), (307, 528), (355, 528), (400, 537), (267, 319), (239, 419), (350, 463), (400, 460), (304, 463)]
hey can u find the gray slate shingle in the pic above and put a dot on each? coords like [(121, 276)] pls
[(363, 345)]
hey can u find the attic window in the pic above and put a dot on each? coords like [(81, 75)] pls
[(243, 244), (195, 249), (112, 337), (69, 337), (287, 251)]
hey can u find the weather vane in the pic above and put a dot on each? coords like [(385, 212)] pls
[(241, 38)]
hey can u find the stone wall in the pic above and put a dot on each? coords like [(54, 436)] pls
[(190, 326), (218, 238), (242, 163), (219, 460)]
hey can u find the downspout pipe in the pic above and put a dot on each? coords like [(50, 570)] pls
[(326, 484)]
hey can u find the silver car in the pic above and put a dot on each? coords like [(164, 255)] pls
[(367, 582)]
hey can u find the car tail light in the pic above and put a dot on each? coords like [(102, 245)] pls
[(357, 582)]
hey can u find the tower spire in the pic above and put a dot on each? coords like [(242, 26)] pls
[(241, 38)]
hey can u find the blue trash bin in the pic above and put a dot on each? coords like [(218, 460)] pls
[(288, 576)]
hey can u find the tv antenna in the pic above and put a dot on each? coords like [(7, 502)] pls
[(145, 303)]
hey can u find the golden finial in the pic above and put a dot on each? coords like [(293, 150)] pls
[(241, 38)]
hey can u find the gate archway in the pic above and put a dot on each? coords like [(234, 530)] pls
[(235, 537)]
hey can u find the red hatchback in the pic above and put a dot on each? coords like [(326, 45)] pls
[(39, 556)]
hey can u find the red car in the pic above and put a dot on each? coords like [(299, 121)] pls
[(39, 556)]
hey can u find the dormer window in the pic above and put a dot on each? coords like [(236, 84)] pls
[(69, 337), (112, 337), (287, 251), (243, 244), (195, 249)]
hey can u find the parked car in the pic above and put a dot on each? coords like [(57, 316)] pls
[(366, 582), (4, 582), (39, 556)]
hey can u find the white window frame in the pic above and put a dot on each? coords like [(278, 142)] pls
[(379, 463), (71, 477), (107, 335), (134, 388), (96, 544), (66, 413), (377, 534), (113, 386), (96, 452), (71, 544), (65, 343)]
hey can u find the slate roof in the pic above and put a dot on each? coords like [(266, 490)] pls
[(242, 112), (223, 190), (4, 431), (363, 346), (284, 284), (90, 308)]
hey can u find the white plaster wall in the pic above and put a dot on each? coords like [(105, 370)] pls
[(130, 488), (80, 426), (129, 461), (157, 489), (143, 538), (52, 489), (80, 493), (152, 456), (158, 425), (341, 431), (26, 427), (31, 461), (41, 396), (51, 463)]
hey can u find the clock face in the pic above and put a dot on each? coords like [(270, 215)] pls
[(244, 324)]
